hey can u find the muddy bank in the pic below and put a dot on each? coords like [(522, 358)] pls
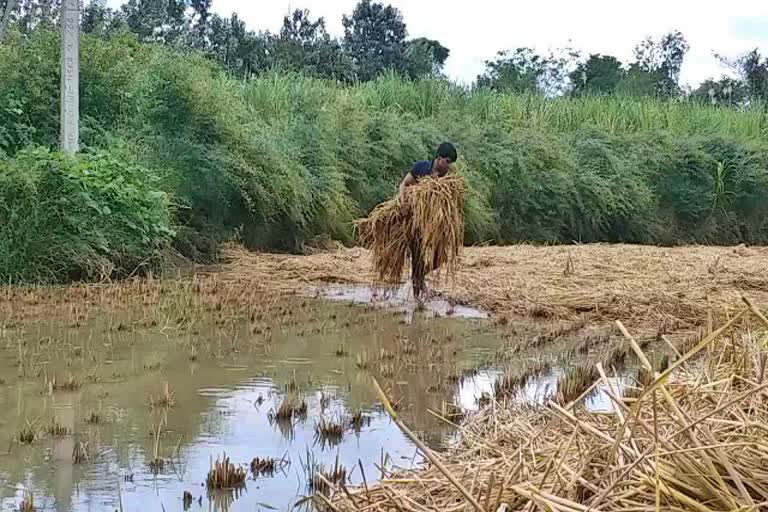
[(649, 288)]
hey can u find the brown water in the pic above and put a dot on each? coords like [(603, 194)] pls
[(399, 298), (223, 400), (230, 358)]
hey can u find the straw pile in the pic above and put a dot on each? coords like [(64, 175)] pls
[(694, 438), (673, 288), (430, 223)]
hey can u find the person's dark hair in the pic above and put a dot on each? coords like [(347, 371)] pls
[(446, 150)]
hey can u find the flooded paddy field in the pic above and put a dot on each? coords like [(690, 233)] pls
[(124, 396)]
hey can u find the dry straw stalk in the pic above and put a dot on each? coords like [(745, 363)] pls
[(694, 440)]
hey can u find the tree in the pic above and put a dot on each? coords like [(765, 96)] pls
[(726, 91), (599, 74), (663, 58), (300, 28), (637, 81), (100, 20), (523, 70), (515, 71), (160, 21), (239, 50), (374, 38), (34, 14), (558, 67), (752, 70), (201, 17), (424, 57), (305, 45)]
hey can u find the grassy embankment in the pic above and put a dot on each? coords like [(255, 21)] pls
[(179, 154)]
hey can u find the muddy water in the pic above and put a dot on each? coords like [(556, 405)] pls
[(226, 385), (98, 363), (399, 298)]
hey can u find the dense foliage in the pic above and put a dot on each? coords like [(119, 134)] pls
[(84, 217), (179, 151)]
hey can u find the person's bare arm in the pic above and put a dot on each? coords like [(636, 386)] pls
[(407, 182)]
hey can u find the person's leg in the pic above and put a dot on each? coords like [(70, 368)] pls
[(417, 269)]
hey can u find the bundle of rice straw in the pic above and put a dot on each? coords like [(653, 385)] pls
[(431, 224)]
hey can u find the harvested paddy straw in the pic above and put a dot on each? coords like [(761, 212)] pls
[(430, 227), (225, 475), (28, 503), (692, 439)]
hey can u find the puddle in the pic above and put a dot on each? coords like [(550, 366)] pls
[(225, 393), (538, 390), (399, 298), (543, 388)]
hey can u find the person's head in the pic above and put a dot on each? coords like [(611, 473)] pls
[(446, 156)]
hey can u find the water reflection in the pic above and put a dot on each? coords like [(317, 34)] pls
[(542, 389), (223, 397), (228, 387), (400, 298), (235, 425), (64, 409)]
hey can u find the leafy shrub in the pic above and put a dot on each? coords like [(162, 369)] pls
[(91, 216)]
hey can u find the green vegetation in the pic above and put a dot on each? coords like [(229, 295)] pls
[(179, 152), (84, 217)]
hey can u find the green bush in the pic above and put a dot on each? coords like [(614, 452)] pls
[(280, 159), (69, 218)]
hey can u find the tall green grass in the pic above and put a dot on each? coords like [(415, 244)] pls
[(281, 159)]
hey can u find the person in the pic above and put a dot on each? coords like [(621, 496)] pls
[(439, 167)]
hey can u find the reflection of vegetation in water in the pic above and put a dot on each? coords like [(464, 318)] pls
[(28, 433), (80, 452), (69, 384), (575, 381), (157, 423), (165, 400), (290, 408), (93, 418), (321, 479), (329, 432), (222, 499), (267, 466), (28, 503), (128, 346), (358, 420), (187, 500), (362, 360), (57, 429)]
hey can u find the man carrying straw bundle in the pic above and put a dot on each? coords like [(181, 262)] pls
[(424, 222), (436, 169)]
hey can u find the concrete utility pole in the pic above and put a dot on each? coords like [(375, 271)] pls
[(70, 76), (5, 17)]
